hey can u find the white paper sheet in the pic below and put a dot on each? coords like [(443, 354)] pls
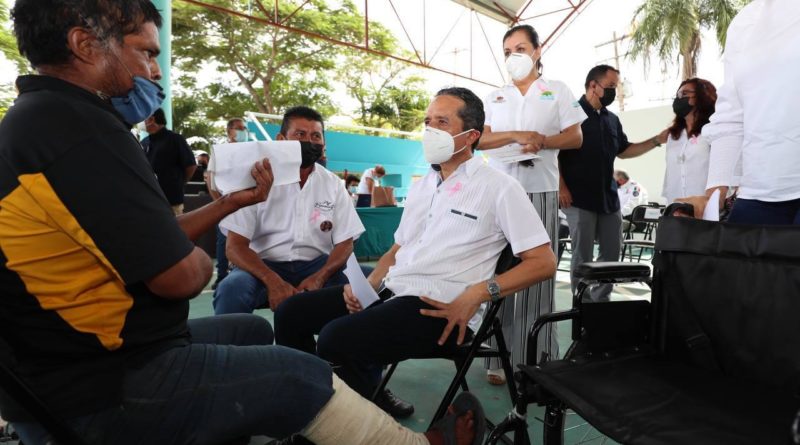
[(510, 153), (363, 291), (234, 162), (711, 213)]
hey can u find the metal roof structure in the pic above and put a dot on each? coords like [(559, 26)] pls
[(549, 17)]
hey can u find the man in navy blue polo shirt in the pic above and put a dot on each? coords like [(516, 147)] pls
[(587, 191)]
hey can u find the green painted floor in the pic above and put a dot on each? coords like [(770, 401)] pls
[(423, 382)]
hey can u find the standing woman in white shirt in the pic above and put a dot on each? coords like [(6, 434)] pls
[(688, 151), (543, 116), (370, 178)]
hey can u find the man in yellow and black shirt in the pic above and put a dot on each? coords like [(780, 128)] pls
[(96, 272)]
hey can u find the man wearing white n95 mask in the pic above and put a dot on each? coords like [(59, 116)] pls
[(435, 278)]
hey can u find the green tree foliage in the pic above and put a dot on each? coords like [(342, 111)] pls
[(8, 43), (386, 97), (671, 28), (275, 69)]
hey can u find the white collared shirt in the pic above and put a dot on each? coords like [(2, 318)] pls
[(755, 109), (631, 194), (363, 188), (451, 235), (548, 107), (296, 224), (687, 167)]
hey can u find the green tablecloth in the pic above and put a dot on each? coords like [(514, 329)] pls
[(380, 224)]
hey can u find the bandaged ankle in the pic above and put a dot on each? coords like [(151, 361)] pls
[(350, 419)]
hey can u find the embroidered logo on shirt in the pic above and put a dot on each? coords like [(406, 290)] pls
[(499, 100), (326, 226), (325, 206), (547, 95)]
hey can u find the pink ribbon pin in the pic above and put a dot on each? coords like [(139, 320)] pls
[(693, 140), (315, 215), (455, 188)]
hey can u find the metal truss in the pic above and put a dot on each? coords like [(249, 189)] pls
[(270, 17)]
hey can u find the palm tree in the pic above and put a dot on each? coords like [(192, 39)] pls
[(667, 27)]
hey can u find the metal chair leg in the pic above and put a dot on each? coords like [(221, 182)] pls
[(553, 424), (384, 382)]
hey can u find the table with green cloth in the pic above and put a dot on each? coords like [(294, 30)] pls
[(380, 224)]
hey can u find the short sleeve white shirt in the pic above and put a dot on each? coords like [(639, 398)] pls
[(687, 167), (451, 234), (363, 188), (548, 107), (296, 224)]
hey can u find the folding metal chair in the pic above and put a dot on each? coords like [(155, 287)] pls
[(491, 327)]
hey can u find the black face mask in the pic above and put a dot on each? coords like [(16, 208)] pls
[(309, 153), (681, 107), (609, 94)]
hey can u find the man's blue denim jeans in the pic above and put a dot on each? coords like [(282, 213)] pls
[(241, 292), (226, 386)]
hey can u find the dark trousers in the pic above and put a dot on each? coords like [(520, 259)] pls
[(222, 259), (751, 211), (226, 385), (381, 334), (244, 293), (364, 201)]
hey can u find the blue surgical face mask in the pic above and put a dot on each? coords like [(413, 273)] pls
[(241, 136), (140, 102)]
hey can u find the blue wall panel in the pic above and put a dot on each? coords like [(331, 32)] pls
[(357, 152)]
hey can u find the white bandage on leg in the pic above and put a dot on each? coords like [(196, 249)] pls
[(350, 419)]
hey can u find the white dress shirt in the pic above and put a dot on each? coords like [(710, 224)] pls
[(687, 167), (363, 188), (755, 109), (548, 107), (631, 194), (451, 234), (296, 224)]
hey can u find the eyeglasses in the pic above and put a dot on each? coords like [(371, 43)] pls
[(686, 93)]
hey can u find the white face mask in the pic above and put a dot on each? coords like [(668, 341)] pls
[(519, 65), (439, 145)]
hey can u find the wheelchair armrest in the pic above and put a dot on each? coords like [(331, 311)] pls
[(539, 323), (612, 271), (682, 207)]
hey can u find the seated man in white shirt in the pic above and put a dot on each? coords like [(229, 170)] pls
[(435, 278), (297, 240), (631, 193)]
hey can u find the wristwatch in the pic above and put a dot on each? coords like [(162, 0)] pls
[(494, 290), (655, 141)]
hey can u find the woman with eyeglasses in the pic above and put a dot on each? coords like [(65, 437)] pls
[(543, 117), (687, 151)]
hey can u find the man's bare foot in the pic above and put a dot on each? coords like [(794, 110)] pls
[(465, 430)]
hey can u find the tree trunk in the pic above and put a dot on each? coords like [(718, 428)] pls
[(690, 54)]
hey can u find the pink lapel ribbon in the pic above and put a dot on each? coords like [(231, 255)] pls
[(455, 188), (693, 140), (542, 87), (315, 215)]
